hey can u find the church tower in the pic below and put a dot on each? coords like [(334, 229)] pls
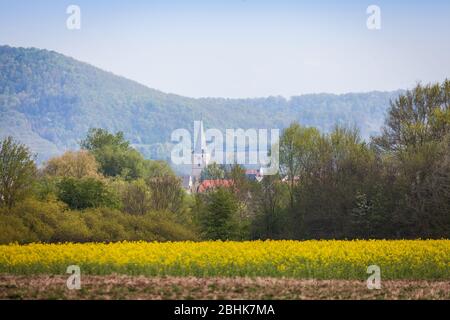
[(200, 155)]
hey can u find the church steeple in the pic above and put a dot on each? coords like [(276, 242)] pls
[(200, 154), (199, 137)]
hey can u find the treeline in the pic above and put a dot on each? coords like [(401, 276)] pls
[(332, 185), (336, 186), (396, 186), (105, 192)]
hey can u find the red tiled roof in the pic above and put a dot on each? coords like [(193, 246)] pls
[(210, 184)]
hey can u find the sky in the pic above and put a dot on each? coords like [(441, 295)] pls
[(244, 48)]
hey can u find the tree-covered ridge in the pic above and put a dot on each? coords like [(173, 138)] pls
[(49, 101)]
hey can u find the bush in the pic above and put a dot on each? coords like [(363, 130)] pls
[(72, 228), (12, 230), (105, 224), (31, 220), (38, 221)]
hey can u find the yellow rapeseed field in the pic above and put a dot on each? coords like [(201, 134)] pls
[(398, 259)]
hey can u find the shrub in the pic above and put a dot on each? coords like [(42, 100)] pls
[(12, 230), (72, 228)]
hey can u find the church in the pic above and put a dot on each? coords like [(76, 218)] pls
[(199, 160), (201, 157)]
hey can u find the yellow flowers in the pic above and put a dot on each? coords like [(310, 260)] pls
[(398, 259)]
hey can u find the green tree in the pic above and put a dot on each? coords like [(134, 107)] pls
[(367, 220), (17, 172), (136, 197), (269, 198), (114, 154), (240, 185), (85, 193), (167, 193), (419, 116), (118, 159), (157, 168), (218, 221), (296, 154), (415, 146), (212, 172), (98, 138), (340, 166)]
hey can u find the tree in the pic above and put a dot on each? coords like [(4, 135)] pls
[(420, 115), (76, 164), (213, 172), (299, 147), (17, 172), (367, 220), (240, 185), (268, 198), (85, 193), (416, 145), (296, 153), (218, 220), (166, 193), (117, 158), (114, 154), (156, 168), (136, 198), (334, 168), (98, 138)]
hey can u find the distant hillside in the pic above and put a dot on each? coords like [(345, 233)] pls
[(49, 101)]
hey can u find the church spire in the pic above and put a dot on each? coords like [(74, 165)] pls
[(199, 138), (200, 155)]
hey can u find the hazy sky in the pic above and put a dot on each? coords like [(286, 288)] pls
[(244, 48)]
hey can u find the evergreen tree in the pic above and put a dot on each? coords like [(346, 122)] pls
[(218, 220)]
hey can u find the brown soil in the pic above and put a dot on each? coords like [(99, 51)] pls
[(140, 287)]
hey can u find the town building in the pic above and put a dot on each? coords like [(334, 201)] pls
[(201, 157)]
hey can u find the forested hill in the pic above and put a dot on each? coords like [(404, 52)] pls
[(49, 101)]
